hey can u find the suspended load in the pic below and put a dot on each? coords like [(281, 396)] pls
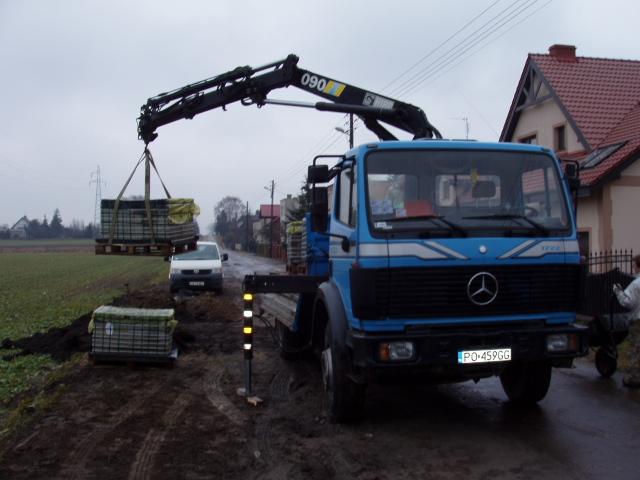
[(147, 227)]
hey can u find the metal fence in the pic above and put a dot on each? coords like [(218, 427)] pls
[(601, 262), (604, 269)]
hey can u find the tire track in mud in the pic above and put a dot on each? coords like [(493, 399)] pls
[(212, 382), (145, 457), (78, 458), (279, 391)]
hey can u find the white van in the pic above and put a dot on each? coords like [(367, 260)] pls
[(199, 269)]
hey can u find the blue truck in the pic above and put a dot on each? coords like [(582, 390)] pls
[(429, 259)]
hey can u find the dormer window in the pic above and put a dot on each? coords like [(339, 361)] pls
[(599, 155)]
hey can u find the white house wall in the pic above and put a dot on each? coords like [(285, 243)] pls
[(624, 222), (589, 221), (540, 120)]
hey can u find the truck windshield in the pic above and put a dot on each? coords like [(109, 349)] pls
[(468, 192), (203, 252)]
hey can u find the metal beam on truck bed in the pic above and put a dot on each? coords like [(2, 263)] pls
[(282, 283)]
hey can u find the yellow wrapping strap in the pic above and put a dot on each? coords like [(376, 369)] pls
[(295, 227), (171, 325), (182, 210)]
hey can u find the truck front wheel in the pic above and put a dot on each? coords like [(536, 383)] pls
[(526, 383), (345, 397)]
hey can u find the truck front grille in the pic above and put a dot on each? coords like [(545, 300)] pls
[(442, 291)]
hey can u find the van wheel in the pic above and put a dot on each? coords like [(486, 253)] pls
[(345, 398), (526, 383)]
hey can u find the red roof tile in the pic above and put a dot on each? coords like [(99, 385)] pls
[(628, 130), (597, 92)]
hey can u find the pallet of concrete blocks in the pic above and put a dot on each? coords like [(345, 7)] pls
[(132, 334), (167, 227), (296, 245)]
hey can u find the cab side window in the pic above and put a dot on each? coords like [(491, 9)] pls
[(348, 198)]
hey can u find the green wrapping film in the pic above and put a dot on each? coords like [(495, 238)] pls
[(182, 210)]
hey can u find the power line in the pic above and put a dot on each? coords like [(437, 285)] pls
[(439, 46), (489, 27), (490, 41)]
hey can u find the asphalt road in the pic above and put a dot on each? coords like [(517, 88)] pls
[(586, 427)]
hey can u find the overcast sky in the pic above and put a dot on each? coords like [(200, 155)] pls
[(75, 73)]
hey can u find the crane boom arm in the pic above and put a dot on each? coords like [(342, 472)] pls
[(252, 85)]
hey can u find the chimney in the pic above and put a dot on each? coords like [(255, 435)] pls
[(563, 53)]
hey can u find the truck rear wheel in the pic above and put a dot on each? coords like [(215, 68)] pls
[(345, 398), (526, 383)]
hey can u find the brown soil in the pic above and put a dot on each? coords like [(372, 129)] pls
[(187, 422), (113, 421)]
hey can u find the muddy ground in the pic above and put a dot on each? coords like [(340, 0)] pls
[(142, 422)]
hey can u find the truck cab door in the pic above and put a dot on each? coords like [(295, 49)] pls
[(344, 223)]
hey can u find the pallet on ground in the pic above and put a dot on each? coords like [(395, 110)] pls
[(128, 334)]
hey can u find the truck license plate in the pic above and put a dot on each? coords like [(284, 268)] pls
[(485, 356), (196, 284)]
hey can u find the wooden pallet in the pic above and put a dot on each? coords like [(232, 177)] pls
[(297, 269), (131, 359), (144, 249)]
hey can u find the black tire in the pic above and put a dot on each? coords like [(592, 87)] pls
[(345, 398), (526, 383), (606, 362), (286, 342)]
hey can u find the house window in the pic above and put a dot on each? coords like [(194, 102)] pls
[(560, 138), (532, 139), (583, 243)]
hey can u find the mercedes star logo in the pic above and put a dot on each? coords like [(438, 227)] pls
[(482, 289)]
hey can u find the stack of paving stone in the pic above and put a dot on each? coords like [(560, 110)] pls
[(132, 332)]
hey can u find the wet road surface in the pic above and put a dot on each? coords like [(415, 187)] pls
[(586, 427)]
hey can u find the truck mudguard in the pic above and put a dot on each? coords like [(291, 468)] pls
[(329, 295)]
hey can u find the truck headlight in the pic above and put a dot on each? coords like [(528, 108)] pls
[(557, 342), (396, 351), (174, 271)]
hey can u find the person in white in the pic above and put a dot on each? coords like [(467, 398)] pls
[(630, 299)]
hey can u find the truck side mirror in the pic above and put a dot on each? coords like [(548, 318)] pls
[(318, 174), (225, 257), (319, 209), (572, 172)]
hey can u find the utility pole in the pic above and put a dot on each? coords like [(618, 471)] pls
[(95, 178), (271, 220), (466, 125), (246, 235), (350, 132)]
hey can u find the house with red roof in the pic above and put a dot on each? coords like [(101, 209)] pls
[(588, 110)]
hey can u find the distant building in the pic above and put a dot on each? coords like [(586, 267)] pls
[(587, 109), (266, 230), (287, 205), (19, 229)]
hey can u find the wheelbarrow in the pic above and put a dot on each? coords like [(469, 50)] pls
[(608, 321)]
